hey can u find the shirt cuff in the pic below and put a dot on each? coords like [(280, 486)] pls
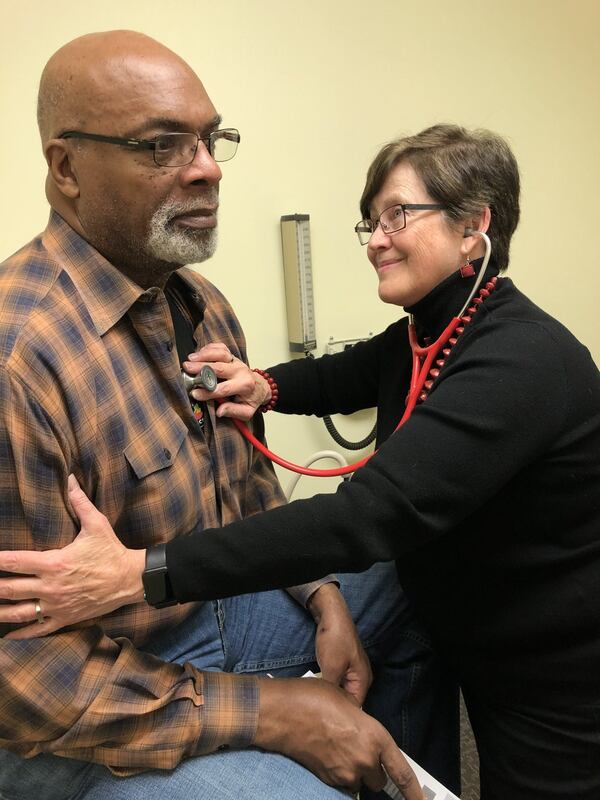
[(230, 711), (305, 591)]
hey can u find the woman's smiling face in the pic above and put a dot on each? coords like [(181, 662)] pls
[(413, 261)]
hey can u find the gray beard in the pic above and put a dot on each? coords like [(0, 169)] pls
[(180, 246)]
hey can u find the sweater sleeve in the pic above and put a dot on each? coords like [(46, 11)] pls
[(333, 384), (491, 412)]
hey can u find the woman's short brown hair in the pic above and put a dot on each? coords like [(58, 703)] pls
[(462, 170)]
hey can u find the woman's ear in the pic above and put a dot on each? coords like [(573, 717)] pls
[(60, 168), (472, 244)]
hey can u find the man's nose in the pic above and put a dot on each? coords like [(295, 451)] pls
[(203, 169)]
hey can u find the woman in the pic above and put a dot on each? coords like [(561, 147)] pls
[(489, 494)]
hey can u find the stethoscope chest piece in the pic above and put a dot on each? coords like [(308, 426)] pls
[(205, 379)]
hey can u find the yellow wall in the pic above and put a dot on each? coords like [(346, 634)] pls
[(315, 88)]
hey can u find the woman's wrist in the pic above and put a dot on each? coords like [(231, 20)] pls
[(271, 390), (136, 563)]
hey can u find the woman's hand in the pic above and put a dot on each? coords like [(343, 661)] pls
[(339, 651), (88, 578), (240, 390)]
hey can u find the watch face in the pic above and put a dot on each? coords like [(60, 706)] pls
[(155, 578), (154, 585)]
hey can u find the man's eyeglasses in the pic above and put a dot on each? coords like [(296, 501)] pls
[(173, 149), (392, 219)]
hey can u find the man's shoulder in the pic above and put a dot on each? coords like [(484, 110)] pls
[(33, 286), (32, 267)]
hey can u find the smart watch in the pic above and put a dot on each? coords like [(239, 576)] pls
[(155, 578)]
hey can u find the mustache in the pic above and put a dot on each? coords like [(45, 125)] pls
[(171, 209)]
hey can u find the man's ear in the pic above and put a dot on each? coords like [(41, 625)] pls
[(60, 168)]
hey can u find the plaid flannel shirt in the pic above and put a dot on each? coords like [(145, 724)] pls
[(90, 383)]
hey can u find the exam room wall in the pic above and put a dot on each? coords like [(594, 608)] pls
[(315, 89)]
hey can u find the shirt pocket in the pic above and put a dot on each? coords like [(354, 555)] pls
[(157, 447)]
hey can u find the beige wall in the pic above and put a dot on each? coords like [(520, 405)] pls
[(315, 88)]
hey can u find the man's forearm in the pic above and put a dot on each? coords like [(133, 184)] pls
[(317, 724)]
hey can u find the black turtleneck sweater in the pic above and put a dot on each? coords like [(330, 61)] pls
[(488, 497)]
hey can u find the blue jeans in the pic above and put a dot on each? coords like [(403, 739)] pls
[(269, 633)]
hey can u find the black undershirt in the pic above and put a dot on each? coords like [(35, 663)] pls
[(184, 341)]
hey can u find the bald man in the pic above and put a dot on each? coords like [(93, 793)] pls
[(97, 318)]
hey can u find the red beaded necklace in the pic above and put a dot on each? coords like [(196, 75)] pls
[(423, 371)]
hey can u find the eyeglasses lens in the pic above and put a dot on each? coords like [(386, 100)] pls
[(179, 149), (224, 144), (392, 219), (175, 149), (364, 230)]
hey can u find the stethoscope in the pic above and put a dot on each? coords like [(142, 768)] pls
[(422, 363)]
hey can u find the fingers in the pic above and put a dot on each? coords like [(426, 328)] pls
[(19, 613), (234, 380), (215, 351), (374, 777), (232, 410), (357, 687), (18, 589), (399, 771), (34, 631), (25, 562)]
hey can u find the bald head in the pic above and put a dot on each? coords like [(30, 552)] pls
[(125, 86), (91, 77)]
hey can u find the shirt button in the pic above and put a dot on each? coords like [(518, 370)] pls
[(167, 454)]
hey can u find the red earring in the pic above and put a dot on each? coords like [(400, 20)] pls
[(467, 271)]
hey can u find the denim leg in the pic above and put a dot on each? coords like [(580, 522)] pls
[(412, 694), (270, 632), (198, 639), (416, 699), (242, 775), (44, 777)]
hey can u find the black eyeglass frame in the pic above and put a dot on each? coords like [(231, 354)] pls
[(150, 144), (405, 207)]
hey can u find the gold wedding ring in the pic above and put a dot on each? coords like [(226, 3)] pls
[(38, 612)]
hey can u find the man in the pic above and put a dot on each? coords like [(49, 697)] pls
[(95, 325)]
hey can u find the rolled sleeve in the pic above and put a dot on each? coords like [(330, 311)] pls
[(304, 591)]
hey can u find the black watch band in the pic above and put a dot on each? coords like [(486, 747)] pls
[(155, 578)]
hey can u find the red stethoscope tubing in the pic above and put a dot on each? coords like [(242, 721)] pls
[(422, 360)]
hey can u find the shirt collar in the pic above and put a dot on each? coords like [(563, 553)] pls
[(183, 283), (107, 293), (434, 311)]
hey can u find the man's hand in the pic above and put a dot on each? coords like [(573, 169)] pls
[(340, 654), (240, 390), (319, 725), (90, 577)]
